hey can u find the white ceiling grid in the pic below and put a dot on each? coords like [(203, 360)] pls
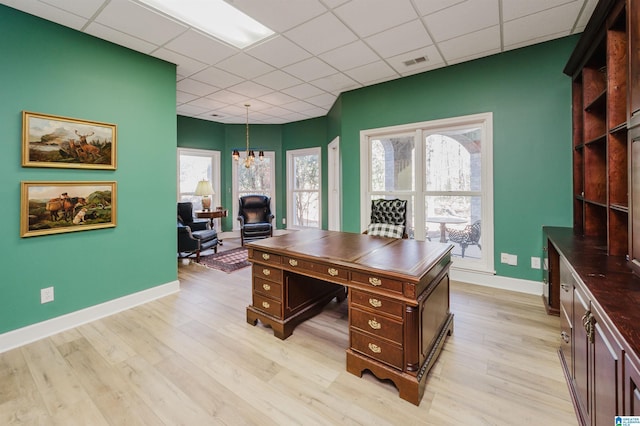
[(320, 48)]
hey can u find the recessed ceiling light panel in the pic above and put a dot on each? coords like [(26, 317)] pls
[(215, 17)]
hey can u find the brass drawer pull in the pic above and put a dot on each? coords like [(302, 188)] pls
[(375, 281), (332, 271), (265, 256), (375, 324), (565, 286), (266, 272), (375, 348), (293, 262), (375, 303), (267, 287), (266, 305), (565, 336)]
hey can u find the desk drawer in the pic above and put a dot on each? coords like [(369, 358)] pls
[(375, 303), (268, 273), (378, 349), (375, 281), (267, 288), (261, 256), (267, 305), (317, 269), (377, 325)]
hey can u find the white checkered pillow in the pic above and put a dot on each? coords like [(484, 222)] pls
[(385, 230)]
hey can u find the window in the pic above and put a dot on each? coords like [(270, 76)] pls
[(303, 188), (260, 178), (193, 166), (443, 169)]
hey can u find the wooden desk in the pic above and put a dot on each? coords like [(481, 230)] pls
[(398, 297)]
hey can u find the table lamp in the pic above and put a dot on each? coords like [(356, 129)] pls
[(204, 190)]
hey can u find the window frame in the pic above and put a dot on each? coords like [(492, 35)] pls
[(419, 194), (214, 156), (271, 155), (291, 155)]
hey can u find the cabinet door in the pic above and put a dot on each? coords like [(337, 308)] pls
[(581, 351), (607, 354), (634, 60), (632, 387)]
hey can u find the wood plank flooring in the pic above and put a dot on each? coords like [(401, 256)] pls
[(192, 359)]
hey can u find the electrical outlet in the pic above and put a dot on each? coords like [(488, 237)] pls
[(513, 260), (535, 263), (284, 220), (504, 257), (46, 295)]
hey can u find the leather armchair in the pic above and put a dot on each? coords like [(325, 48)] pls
[(255, 218), (194, 235)]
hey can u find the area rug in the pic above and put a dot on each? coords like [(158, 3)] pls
[(227, 261)]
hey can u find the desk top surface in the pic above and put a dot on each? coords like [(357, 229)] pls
[(409, 258)]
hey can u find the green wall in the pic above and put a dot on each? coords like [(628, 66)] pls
[(52, 69), (531, 103)]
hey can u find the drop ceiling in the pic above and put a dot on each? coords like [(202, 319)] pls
[(320, 48)]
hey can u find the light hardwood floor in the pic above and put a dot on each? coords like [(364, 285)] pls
[(192, 359)]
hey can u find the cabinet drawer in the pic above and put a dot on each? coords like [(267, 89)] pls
[(318, 269), (566, 331), (267, 288), (376, 348), (377, 282), (262, 256), (267, 305), (267, 272), (567, 282), (375, 303), (377, 325)]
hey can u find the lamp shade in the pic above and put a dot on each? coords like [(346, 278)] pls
[(204, 188)]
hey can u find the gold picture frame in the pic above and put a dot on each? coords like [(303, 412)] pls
[(63, 142), (55, 207)]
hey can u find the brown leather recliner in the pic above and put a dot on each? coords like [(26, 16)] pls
[(255, 217)]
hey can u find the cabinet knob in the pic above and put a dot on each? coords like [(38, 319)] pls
[(375, 281), (332, 271), (266, 272), (565, 336), (375, 324), (375, 303), (293, 262), (565, 286), (375, 348), (267, 287), (265, 256), (266, 305)]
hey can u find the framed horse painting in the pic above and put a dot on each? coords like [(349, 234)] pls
[(58, 207), (54, 141)]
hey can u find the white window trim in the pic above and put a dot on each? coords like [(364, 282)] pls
[(291, 154), (485, 121), (234, 179), (215, 167)]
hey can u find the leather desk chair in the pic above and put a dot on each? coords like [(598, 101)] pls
[(255, 217)]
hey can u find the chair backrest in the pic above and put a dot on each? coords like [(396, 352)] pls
[(393, 212), (185, 212), (255, 208), (474, 234)]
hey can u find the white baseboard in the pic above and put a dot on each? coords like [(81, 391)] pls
[(31, 333), (495, 281)]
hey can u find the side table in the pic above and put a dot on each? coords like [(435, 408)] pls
[(212, 214)]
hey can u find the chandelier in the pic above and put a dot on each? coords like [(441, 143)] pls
[(250, 157)]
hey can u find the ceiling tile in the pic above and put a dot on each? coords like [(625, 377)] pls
[(426, 7), (138, 21), (463, 18), (350, 56), (321, 34), (299, 106), (514, 9), (334, 3), (310, 69), (84, 8), (190, 110), (186, 66), (556, 20), (47, 12), (277, 98), (380, 15), (372, 72), (303, 91), (207, 103), (228, 97), (323, 100), (250, 89), (200, 47), (184, 97), (118, 37), (487, 40), (405, 38), (279, 52), (585, 15), (217, 77), (277, 80), (244, 66), (336, 83), (195, 87)]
